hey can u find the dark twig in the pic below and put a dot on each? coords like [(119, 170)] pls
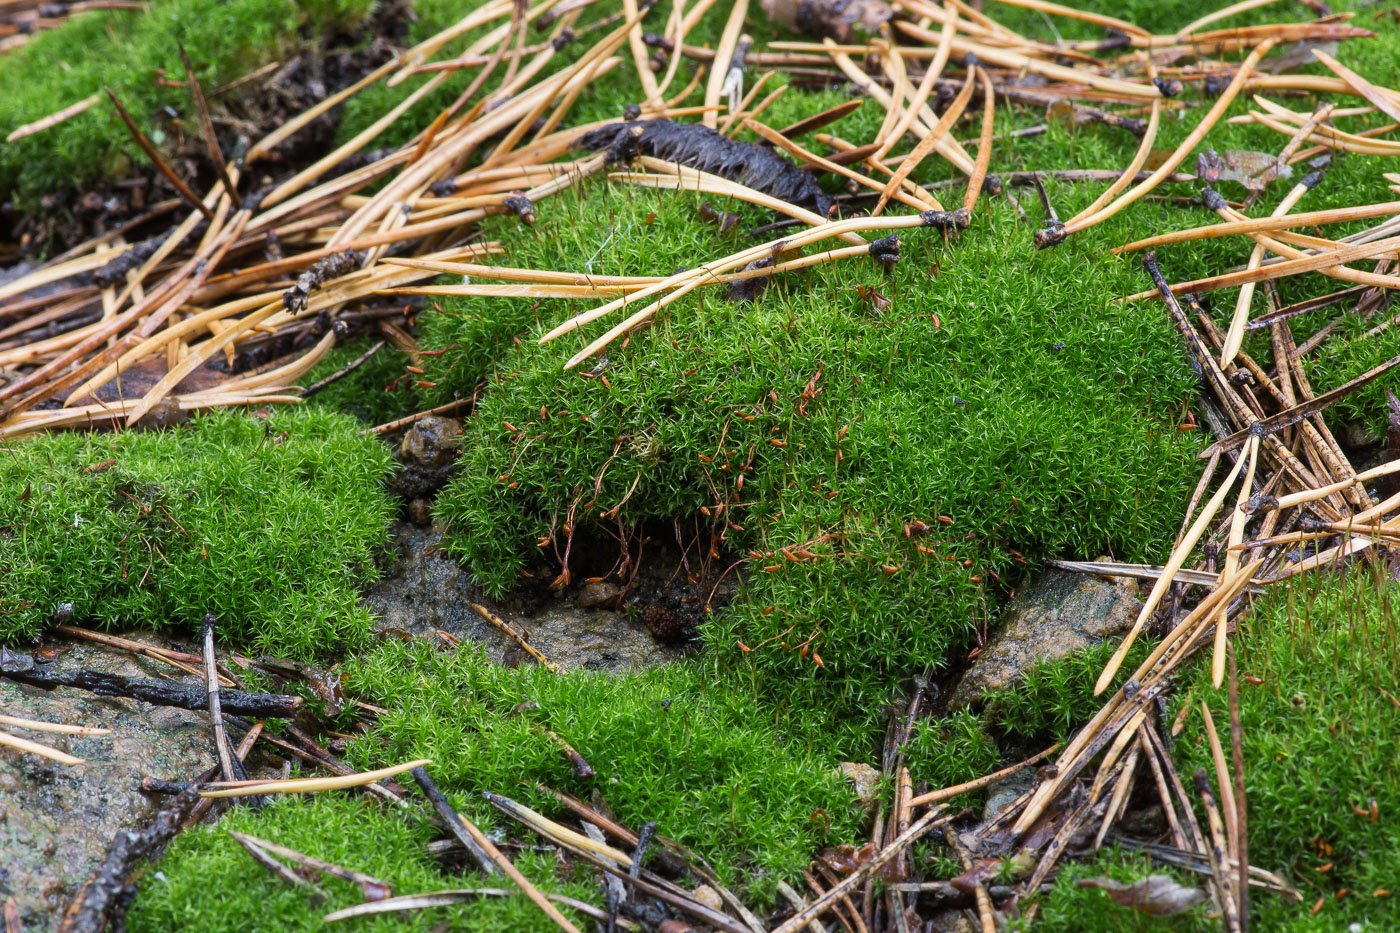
[(161, 165), (344, 371), (237, 702), (454, 823), (103, 897), (206, 125)]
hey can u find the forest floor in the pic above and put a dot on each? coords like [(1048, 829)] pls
[(756, 575)]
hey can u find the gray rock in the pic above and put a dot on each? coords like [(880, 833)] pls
[(427, 457), (1004, 793), (598, 594), (1053, 616), (423, 591), (57, 820)]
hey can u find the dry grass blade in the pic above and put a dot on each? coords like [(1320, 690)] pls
[(448, 898), (315, 864), (927, 144), (1174, 563), (1385, 101), (947, 793), (35, 725), (276, 868), (724, 53), (1274, 222), (1188, 145), (53, 119), (984, 144), (35, 748), (929, 821), (307, 785)]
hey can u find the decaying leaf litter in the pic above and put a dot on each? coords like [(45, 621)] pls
[(194, 321)]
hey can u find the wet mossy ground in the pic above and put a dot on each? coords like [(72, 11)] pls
[(1003, 388)]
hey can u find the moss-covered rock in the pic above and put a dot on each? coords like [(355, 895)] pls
[(812, 428), (270, 523)]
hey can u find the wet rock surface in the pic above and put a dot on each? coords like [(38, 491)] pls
[(57, 820), (1053, 616), (592, 625), (427, 458)]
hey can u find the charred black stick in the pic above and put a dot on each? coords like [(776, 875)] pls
[(453, 821), (104, 896), (159, 693)]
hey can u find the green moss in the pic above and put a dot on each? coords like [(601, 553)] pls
[(950, 750), (1037, 418), (208, 882), (713, 766), (270, 525), (124, 50), (1070, 909), (1321, 735), (1052, 700)]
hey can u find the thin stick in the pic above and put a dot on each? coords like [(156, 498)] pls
[(926, 84), (938, 796), (343, 371), (933, 818), (504, 626), (329, 868)]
